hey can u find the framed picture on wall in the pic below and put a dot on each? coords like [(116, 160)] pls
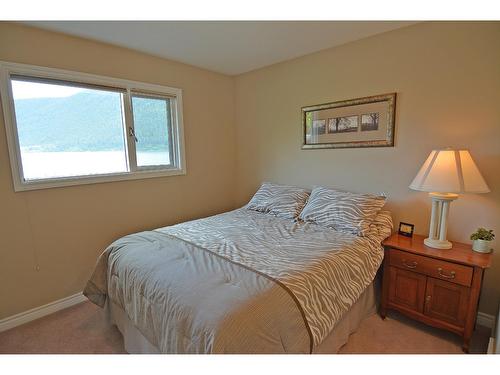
[(362, 122)]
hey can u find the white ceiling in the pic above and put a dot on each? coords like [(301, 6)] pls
[(229, 47)]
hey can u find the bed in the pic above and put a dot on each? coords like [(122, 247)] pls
[(243, 281)]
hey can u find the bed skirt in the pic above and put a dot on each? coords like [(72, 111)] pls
[(136, 343)]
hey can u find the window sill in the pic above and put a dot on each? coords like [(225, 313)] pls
[(97, 179)]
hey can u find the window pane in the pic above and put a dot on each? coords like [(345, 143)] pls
[(67, 130), (152, 130)]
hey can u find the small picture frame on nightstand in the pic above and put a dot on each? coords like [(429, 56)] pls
[(406, 229)]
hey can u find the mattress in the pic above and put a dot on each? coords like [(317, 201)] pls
[(238, 282)]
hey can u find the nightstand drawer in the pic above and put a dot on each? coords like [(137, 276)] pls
[(452, 272)]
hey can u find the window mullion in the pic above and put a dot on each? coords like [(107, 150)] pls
[(173, 141), (129, 131)]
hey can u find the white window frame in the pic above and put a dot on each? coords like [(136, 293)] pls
[(7, 69)]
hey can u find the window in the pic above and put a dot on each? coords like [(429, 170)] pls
[(66, 128), (152, 127)]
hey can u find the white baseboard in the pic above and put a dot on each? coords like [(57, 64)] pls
[(41, 311), (491, 346), (485, 320)]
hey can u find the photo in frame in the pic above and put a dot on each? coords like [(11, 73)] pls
[(406, 229), (362, 122)]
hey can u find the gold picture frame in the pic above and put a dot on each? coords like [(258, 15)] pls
[(361, 122)]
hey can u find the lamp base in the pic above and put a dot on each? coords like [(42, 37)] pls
[(438, 244), (439, 220)]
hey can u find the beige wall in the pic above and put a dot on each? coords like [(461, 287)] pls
[(447, 76), (63, 230)]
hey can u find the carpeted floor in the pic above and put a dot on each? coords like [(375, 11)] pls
[(78, 329), (82, 329), (400, 335)]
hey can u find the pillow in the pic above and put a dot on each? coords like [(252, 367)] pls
[(279, 200), (382, 225), (342, 210)]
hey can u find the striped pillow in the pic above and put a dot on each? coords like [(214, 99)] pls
[(381, 227), (279, 200), (342, 210)]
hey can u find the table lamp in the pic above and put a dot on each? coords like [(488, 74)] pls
[(444, 174)]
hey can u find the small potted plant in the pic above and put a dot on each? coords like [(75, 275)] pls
[(481, 240)]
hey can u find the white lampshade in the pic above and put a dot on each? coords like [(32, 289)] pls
[(449, 171)]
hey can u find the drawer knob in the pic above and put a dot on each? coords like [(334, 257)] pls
[(450, 276), (410, 264)]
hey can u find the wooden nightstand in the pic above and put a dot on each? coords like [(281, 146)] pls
[(438, 287)]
